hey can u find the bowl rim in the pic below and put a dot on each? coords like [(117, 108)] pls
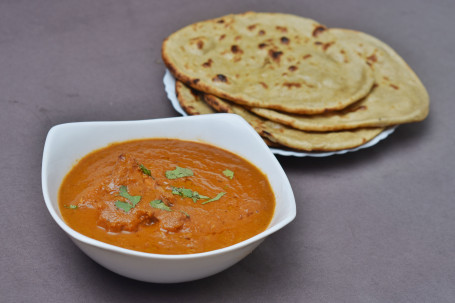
[(290, 214)]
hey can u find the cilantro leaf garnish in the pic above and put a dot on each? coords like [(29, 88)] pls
[(145, 170), (160, 205), (71, 206), (197, 196), (123, 192), (228, 173), (123, 205), (179, 172), (184, 192), (188, 193), (214, 199), (185, 213)]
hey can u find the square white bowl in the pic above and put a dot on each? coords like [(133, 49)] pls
[(67, 143)]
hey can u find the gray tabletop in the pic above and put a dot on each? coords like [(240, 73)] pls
[(377, 225)]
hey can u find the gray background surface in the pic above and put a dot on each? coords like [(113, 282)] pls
[(376, 225)]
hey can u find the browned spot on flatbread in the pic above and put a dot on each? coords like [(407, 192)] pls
[(236, 49), (275, 55), (261, 32), (172, 69), (291, 84), (264, 85), (282, 29), (284, 40), (345, 58), (327, 45), (306, 57), (262, 45), (220, 78), (194, 92), (394, 86), (372, 58), (292, 68), (208, 63), (252, 27), (319, 29), (222, 37)]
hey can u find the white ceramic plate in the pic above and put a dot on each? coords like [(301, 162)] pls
[(169, 86)]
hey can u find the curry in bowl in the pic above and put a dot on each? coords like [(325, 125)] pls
[(166, 196)]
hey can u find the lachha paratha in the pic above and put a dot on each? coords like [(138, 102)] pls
[(293, 138), (268, 60), (398, 95), (191, 101)]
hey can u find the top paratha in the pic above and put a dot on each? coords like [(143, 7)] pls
[(276, 61), (397, 97)]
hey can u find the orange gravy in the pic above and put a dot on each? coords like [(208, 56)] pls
[(126, 195)]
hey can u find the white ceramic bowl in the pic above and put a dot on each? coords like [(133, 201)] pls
[(67, 143)]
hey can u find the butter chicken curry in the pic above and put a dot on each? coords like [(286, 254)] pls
[(166, 196)]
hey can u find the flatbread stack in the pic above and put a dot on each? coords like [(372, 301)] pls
[(301, 85)]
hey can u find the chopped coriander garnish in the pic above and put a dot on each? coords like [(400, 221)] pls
[(179, 172), (123, 192), (197, 196), (123, 205), (71, 206), (188, 193), (184, 192), (160, 205), (228, 173), (145, 170), (185, 213), (214, 199)]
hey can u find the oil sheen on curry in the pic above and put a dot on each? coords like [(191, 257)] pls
[(166, 196)]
